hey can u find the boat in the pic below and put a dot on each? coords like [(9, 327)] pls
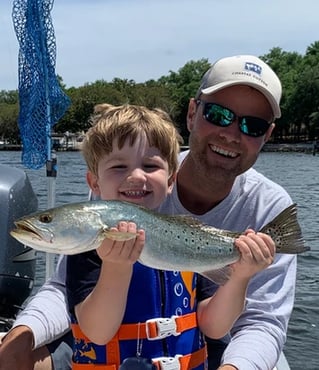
[(17, 262), (282, 363)]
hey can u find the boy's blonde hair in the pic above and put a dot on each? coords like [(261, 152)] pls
[(128, 122)]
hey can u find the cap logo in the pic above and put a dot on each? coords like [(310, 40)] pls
[(253, 67)]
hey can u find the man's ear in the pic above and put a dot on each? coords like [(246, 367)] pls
[(92, 181), (192, 108), (269, 132)]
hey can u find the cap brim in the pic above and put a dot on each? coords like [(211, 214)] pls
[(274, 105)]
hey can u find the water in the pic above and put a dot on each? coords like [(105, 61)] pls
[(297, 172)]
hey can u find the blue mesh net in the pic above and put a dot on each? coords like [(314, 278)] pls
[(42, 102)]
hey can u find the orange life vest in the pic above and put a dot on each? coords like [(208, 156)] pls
[(160, 319)]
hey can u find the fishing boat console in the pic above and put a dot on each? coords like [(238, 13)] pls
[(17, 262)]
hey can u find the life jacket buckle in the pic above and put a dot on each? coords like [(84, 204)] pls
[(161, 327), (167, 363)]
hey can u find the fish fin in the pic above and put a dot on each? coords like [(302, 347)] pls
[(220, 276), (186, 219), (119, 236), (286, 232), (192, 221)]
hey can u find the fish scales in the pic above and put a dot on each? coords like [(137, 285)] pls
[(173, 242), (177, 243)]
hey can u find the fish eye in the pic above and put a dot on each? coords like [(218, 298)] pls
[(46, 218)]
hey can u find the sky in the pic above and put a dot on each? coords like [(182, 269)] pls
[(146, 39)]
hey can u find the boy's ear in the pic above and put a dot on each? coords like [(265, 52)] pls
[(92, 182), (171, 182)]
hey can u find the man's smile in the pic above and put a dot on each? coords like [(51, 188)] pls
[(223, 152)]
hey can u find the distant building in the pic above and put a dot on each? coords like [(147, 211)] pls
[(66, 141)]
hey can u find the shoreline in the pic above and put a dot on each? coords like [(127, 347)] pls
[(296, 147), (268, 147)]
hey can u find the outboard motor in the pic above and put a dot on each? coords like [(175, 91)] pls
[(17, 262)]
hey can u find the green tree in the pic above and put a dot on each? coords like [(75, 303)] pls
[(305, 101), (182, 85), (152, 94), (299, 105), (9, 122), (287, 67), (83, 100), (312, 54), (9, 97)]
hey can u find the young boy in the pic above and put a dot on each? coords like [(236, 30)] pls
[(126, 315)]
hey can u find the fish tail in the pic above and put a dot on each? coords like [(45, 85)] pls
[(286, 232)]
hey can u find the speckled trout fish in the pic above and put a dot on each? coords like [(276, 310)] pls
[(176, 243)]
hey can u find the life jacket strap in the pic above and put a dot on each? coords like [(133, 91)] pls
[(152, 329), (76, 366), (178, 362), (158, 328)]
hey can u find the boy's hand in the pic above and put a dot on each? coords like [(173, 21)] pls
[(127, 252), (257, 252)]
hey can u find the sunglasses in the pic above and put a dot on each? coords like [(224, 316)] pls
[(223, 117)]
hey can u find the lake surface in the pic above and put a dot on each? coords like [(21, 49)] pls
[(297, 172)]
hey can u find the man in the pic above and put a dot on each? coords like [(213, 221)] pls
[(230, 119)]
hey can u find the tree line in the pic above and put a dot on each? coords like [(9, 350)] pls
[(298, 73)]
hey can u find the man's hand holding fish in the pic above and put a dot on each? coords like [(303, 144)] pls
[(256, 253)]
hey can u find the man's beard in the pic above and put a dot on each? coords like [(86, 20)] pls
[(212, 173)]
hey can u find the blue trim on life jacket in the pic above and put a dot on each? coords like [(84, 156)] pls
[(152, 294)]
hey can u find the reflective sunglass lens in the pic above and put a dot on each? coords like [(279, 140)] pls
[(218, 115), (221, 116), (253, 126)]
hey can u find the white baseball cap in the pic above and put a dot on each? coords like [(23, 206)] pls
[(243, 70)]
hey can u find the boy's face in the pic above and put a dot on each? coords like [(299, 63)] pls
[(137, 174)]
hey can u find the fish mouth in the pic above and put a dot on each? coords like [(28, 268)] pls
[(24, 227)]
